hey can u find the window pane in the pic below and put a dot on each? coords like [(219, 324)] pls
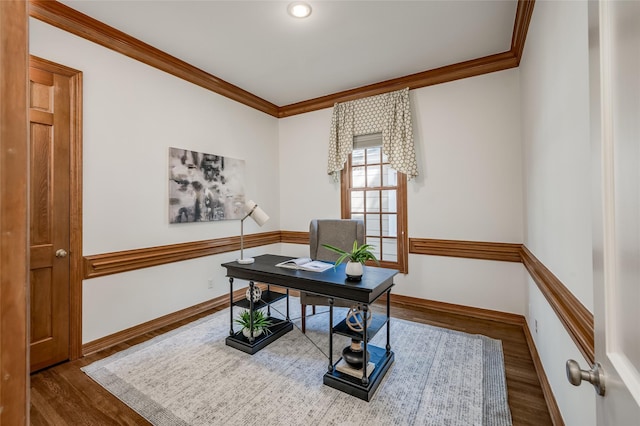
[(357, 157), (390, 176), (390, 249), (389, 225), (375, 242), (373, 155), (388, 201), (373, 176), (373, 201), (372, 224), (357, 201), (357, 177), (374, 193), (358, 217)]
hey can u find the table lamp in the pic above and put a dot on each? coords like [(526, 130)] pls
[(260, 217)]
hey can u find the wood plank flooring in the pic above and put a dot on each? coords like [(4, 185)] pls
[(64, 395)]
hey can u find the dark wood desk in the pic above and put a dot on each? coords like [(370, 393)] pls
[(333, 284)]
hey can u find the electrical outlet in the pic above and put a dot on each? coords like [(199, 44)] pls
[(210, 284)]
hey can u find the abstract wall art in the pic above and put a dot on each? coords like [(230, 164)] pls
[(204, 187)]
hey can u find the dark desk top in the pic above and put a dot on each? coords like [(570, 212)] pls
[(331, 283)]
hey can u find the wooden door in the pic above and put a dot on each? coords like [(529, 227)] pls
[(615, 100), (50, 128)]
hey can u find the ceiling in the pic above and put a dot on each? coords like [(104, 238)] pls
[(343, 45)]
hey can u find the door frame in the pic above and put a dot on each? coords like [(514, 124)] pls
[(75, 200), (14, 226)]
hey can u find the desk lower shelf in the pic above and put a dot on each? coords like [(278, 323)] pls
[(353, 385), (242, 343)]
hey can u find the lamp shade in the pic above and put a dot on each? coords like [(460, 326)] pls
[(256, 213), (260, 217)]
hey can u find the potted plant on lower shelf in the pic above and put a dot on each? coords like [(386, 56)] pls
[(261, 323), (356, 258)]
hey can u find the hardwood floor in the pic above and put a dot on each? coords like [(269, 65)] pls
[(64, 395)]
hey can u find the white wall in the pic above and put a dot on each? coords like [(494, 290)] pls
[(555, 133), (467, 136), (306, 190), (471, 137), (132, 114)]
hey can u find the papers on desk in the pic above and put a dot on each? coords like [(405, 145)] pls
[(305, 264)]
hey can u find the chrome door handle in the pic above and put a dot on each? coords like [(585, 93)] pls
[(595, 376), (61, 253)]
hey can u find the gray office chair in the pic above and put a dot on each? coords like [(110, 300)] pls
[(340, 233)]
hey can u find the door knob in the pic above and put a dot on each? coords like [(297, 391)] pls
[(61, 253), (595, 376)]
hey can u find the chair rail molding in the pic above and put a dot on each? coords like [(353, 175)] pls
[(575, 317), (129, 260), (507, 252)]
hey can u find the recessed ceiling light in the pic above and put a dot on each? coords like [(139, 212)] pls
[(299, 9)]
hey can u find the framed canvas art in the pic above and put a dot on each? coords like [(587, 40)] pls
[(204, 187)]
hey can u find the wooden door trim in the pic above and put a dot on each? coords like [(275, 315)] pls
[(14, 225), (75, 200)]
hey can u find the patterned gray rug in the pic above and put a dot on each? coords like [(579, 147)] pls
[(190, 377)]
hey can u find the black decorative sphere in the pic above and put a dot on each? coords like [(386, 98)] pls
[(353, 354)]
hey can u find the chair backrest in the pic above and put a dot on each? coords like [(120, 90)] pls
[(339, 233)]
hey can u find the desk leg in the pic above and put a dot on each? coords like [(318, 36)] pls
[(231, 332), (388, 321), (268, 304), (251, 289), (365, 360), (288, 319), (330, 335)]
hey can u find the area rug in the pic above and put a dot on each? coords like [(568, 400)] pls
[(190, 377)]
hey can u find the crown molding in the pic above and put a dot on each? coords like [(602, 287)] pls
[(524, 12), (487, 64), (472, 68), (72, 21)]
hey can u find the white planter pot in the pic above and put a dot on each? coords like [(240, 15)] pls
[(354, 271), (256, 332)]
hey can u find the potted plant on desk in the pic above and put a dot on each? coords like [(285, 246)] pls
[(261, 323), (356, 258)]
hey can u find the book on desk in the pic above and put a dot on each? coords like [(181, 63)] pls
[(305, 264)]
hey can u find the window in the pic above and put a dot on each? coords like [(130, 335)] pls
[(377, 194)]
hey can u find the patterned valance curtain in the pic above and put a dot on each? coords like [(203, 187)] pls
[(389, 114)]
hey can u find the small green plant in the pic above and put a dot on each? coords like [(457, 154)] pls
[(359, 254), (260, 321)]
